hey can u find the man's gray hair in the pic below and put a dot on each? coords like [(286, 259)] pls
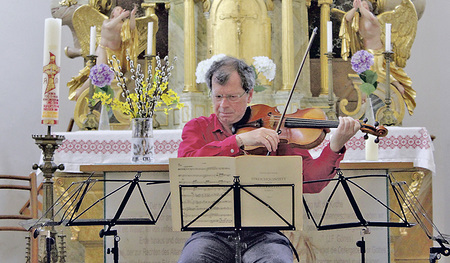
[(221, 70)]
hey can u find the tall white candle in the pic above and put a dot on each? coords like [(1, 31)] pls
[(371, 149), (150, 38), (388, 37), (51, 70), (92, 41), (329, 37)]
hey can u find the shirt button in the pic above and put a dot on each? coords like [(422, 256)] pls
[(232, 150)]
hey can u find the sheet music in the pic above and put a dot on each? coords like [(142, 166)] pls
[(218, 173)]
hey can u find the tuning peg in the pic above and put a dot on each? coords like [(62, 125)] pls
[(366, 136)]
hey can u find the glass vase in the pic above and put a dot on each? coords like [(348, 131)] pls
[(142, 145), (371, 147), (103, 123)]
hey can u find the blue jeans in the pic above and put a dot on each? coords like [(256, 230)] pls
[(218, 247)]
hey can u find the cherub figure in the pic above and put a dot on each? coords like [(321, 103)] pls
[(121, 34), (64, 9), (362, 29), (119, 38)]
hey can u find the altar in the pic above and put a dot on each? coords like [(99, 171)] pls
[(406, 152), (402, 144)]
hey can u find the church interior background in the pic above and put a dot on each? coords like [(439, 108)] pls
[(197, 36)]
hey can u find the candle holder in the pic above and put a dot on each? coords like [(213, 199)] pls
[(331, 113), (91, 122), (48, 144), (387, 116)]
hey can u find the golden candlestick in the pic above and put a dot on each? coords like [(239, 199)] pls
[(387, 116), (91, 122), (331, 113)]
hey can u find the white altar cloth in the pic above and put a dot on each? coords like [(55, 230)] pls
[(402, 144), (110, 147)]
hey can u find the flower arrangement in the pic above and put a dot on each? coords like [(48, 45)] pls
[(266, 67), (361, 63), (261, 64), (151, 93), (203, 67), (101, 76)]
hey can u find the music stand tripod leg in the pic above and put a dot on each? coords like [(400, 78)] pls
[(237, 246), (237, 219), (115, 249), (362, 244)]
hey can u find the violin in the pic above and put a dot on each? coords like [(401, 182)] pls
[(305, 128)]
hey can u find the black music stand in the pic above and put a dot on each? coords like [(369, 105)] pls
[(67, 207), (421, 216), (362, 221), (237, 189)]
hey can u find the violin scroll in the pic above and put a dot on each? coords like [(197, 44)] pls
[(378, 131)]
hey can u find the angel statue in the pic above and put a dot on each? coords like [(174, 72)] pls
[(119, 35), (362, 29)]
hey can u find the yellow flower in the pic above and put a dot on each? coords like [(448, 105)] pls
[(149, 94)]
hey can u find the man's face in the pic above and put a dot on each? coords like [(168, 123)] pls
[(230, 112)]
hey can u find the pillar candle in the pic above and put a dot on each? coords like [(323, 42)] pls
[(329, 37), (371, 149), (150, 38), (92, 41), (51, 70), (388, 37)]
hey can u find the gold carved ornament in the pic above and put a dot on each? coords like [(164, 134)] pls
[(404, 26), (83, 18)]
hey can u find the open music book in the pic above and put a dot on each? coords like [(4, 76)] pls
[(203, 189)]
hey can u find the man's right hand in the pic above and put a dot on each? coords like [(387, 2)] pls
[(260, 137)]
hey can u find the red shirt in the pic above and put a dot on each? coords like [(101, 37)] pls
[(205, 136)]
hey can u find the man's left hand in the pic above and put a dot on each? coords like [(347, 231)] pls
[(346, 129)]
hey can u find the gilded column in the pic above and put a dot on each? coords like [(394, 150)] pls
[(324, 18), (287, 40), (189, 47)]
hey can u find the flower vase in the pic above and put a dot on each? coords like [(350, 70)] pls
[(142, 140), (103, 123), (371, 146)]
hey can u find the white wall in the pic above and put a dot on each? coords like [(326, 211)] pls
[(429, 70), (22, 29)]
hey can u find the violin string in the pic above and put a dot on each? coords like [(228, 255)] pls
[(311, 123)]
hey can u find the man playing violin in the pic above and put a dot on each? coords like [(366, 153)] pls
[(231, 83)]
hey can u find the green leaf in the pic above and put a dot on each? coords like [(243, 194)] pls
[(367, 88), (106, 89), (368, 76)]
